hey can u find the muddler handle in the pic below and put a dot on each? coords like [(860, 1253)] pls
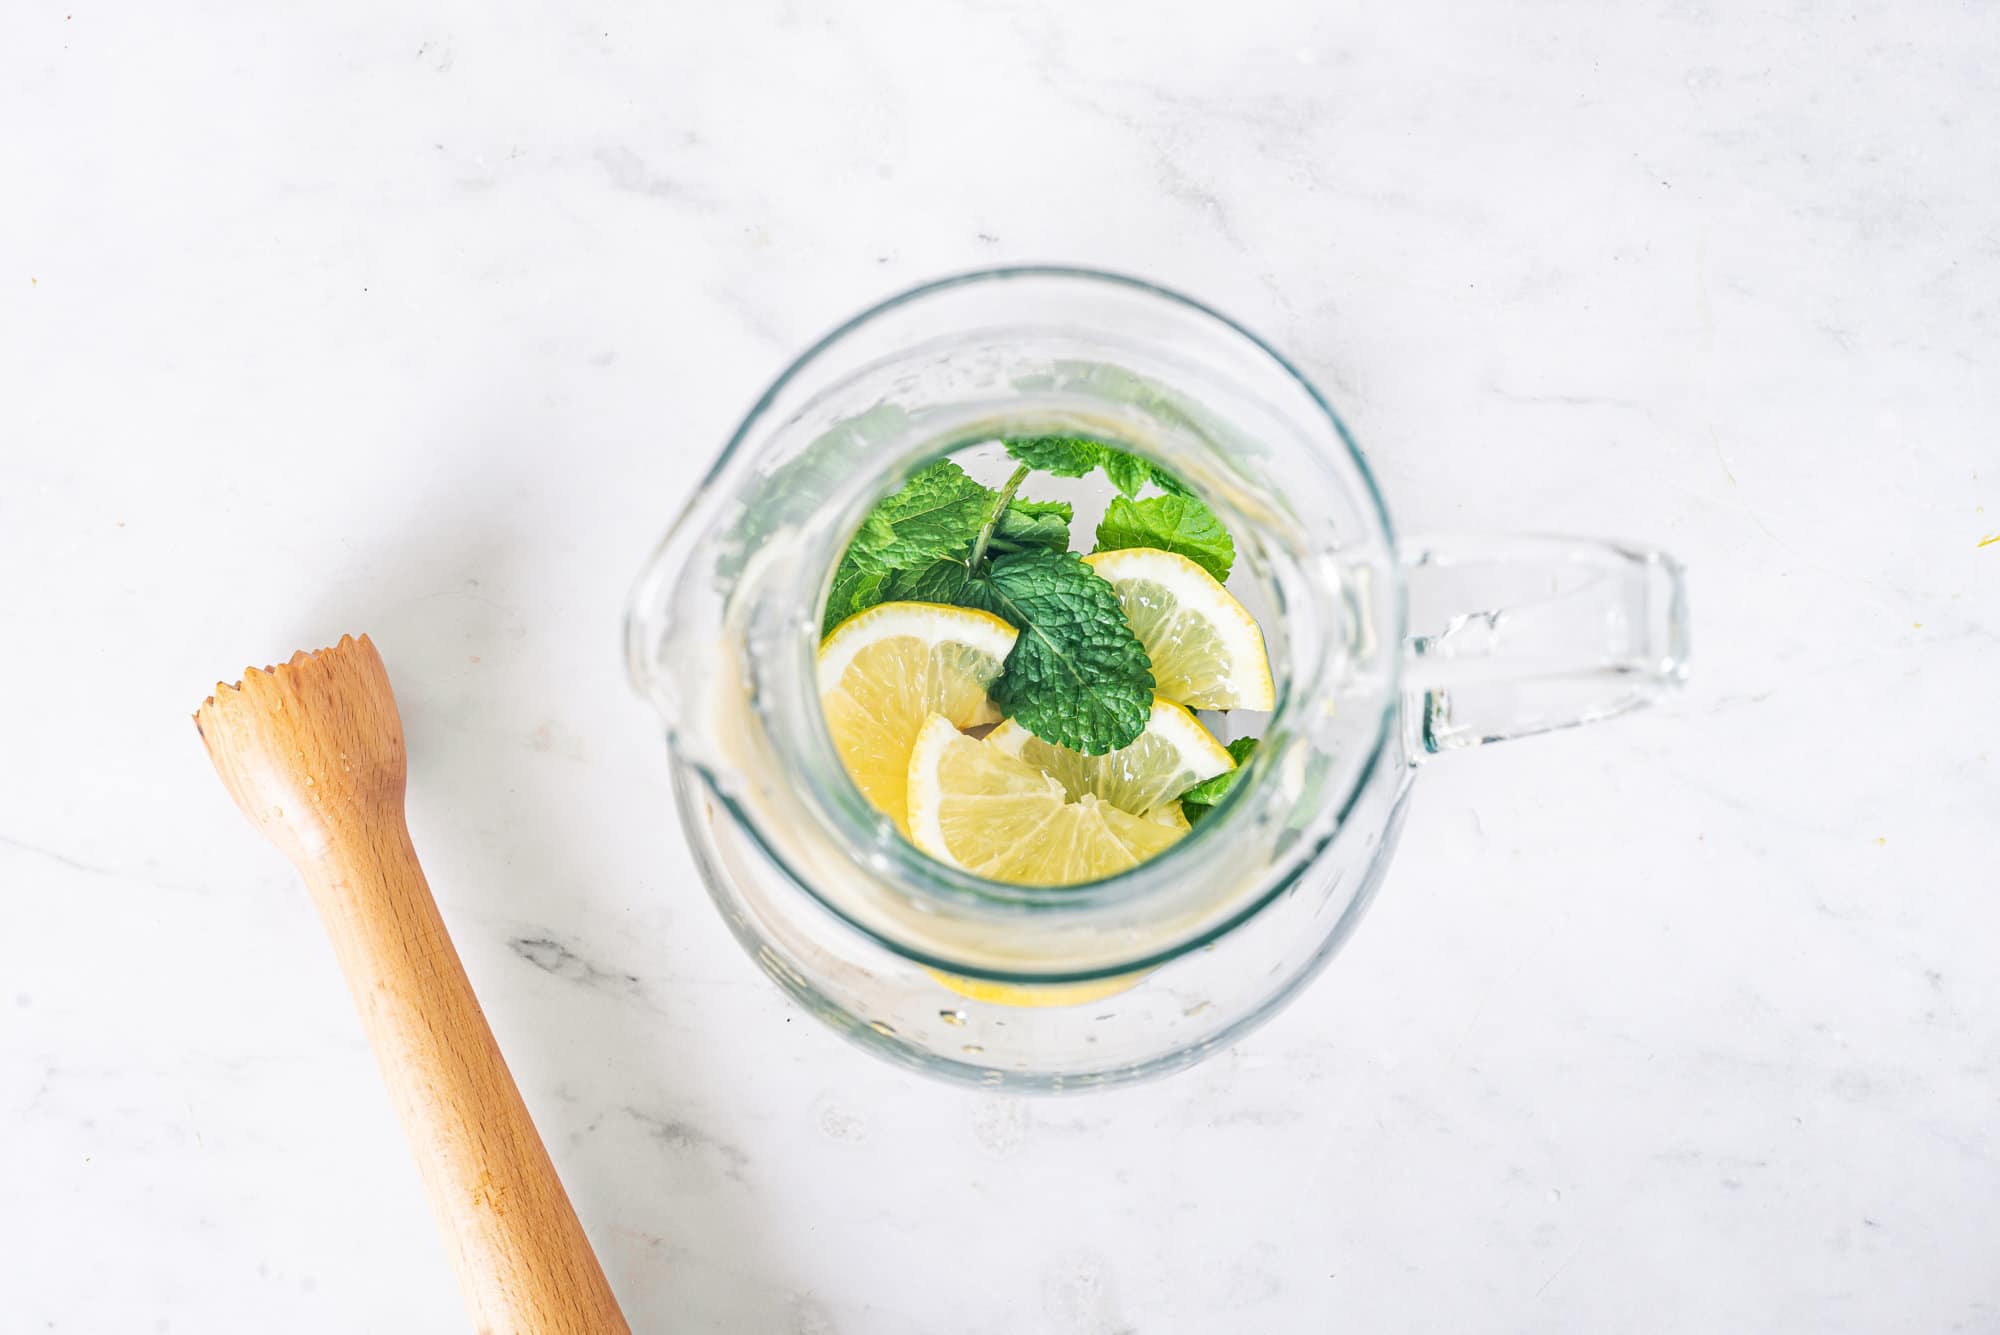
[(312, 751)]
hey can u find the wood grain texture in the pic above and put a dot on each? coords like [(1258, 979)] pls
[(313, 753)]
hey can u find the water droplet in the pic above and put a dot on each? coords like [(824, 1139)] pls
[(953, 1018), (972, 1049)]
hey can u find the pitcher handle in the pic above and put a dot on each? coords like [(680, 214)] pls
[(1518, 635)]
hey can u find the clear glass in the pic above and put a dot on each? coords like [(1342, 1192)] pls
[(1060, 988)]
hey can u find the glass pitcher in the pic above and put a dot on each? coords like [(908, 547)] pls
[(1386, 651)]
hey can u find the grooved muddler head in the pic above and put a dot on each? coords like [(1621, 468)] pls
[(310, 748)]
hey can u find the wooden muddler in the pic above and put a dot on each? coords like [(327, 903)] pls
[(313, 753)]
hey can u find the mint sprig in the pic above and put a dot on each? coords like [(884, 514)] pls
[(1171, 523), (1077, 675)]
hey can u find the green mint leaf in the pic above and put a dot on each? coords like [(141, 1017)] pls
[(1077, 676), (1032, 524), (1065, 456), (1197, 801), (939, 582), (1171, 523), (854, 590), (1061, 509), (933, 516), (937, 513), (1128, 472), (1073, 456), (875, 534)]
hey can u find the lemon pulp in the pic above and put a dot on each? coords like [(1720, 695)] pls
[(974, 806), (1206, 649), (1172, 755), (884, 671)]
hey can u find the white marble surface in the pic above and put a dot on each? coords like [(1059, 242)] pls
[(318, 318)]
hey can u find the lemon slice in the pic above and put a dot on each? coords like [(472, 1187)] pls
[(884, 671), (1038, 996), (974, 806), (1206, 649), (1172, 755)]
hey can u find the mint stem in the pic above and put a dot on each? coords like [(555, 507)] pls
[(993, 519)]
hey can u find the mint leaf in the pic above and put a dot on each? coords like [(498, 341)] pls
[(1077, 676), (1061, 509), (854, 590), (1032, 524), (935, 514), (939, 582), (1128, 472), (1073, 456), (1209, 791), (1065, 456), (1171, 523), (875, 533), (1199, 800)]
